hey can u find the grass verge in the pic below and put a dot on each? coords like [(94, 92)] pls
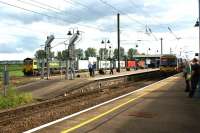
[(14, 99)]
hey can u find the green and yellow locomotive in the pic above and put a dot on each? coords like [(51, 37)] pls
[(33, 67)]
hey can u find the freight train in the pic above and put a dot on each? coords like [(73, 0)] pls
[(33, 67)]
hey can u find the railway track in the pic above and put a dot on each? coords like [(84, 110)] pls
[(27, 117)]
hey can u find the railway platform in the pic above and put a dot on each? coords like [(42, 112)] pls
[(47, 89), (162, 107)]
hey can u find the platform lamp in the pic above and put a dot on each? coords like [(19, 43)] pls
[(148, 50), (198, 25), (70, 62), (105, 42)]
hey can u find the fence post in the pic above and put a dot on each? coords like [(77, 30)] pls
[(5, 79)]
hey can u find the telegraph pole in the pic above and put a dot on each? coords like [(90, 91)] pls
[(118, 39), (161, 39), (199, 30)]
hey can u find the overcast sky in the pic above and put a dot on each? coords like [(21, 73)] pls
[(23, 31)]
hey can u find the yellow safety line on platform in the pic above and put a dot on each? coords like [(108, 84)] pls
[(101, 115)]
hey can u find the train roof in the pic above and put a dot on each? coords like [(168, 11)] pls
[(147, 56), (28, 59), (169, 55)]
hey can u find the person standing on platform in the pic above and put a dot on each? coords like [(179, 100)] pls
[(194, 76), (187, 75), (90, 68), (93, 69), (111, 71)]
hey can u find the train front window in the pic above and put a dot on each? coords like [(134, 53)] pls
[(27, 62), (168, 62), (172, 63), (164, 62)]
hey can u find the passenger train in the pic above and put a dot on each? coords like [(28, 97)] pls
[(170, 64)]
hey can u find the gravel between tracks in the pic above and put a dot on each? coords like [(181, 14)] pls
[(68, 106)]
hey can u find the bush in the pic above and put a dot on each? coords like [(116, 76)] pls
[(14, 99)]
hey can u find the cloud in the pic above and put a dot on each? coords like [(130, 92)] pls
[(27, 43), (75, 15)]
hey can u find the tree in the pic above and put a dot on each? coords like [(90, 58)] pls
[(59, 56), (90, 52), (122, 53), (51, 55), (131, 53), (103, 53), (79, 53), (40, 54), (65, 54)]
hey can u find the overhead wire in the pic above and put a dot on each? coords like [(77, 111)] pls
[(70, 2), (81, 4), (47, 9), (58, 11), (47, 5), (49, 16), (114, 8), (28, 3), (119, 11), (84, 6)]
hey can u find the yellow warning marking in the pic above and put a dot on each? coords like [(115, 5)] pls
[(101, 115), (109, 111)]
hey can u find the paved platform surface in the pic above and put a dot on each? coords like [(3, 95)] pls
[(55, 85), (162, 107)]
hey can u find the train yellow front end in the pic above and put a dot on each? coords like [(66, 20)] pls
[(168, 64)]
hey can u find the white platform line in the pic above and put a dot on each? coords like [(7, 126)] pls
[(96, 106)]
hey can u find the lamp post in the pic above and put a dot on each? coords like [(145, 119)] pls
[(104, 51), (111, 63), (156, 51), (148, 51), (70, 59), (198, 25)]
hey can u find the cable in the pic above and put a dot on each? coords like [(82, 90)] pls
[(5, 3), (72, 3), (178, 38), (46, 5), (106, 3), (81, 4), (28, 3), (42, 14), (34, 5), (60, 43), (134, 5), (58, 11), (152, 34)]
